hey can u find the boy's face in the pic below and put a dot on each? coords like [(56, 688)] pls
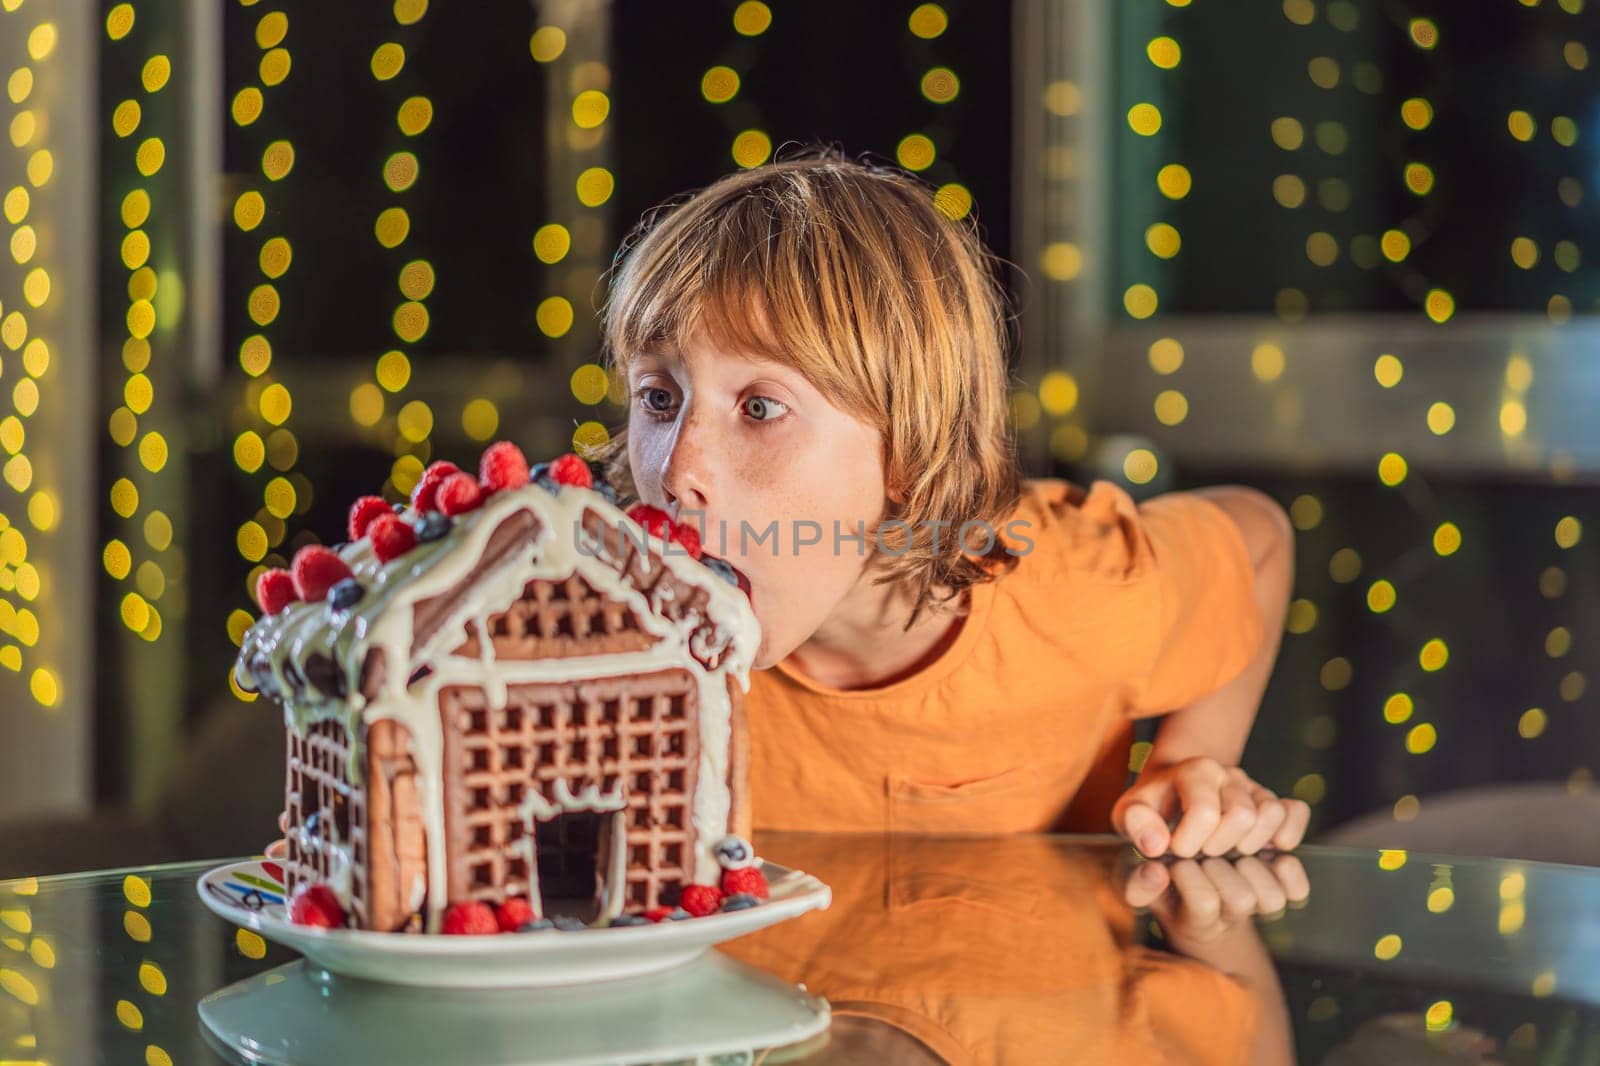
[(747, 450)]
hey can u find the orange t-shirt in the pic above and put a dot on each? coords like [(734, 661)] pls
[(1117, 610)]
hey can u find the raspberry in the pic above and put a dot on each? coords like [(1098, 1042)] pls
[(653, 519), (503, 466), (458, 494), (275, 590), (316, 905), (570, 470), (363, 511), (422, 496), (316, 570), (750, 879), (686, 536), (513, 914), (701, 900), (469, 919), (391, 538), (657, 914)]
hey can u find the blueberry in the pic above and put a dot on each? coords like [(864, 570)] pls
[(341, 546), (313, 825), (568, 924), (399, 508), (345, 594), (597, 472), (432, 526), (606, 491), (740, 901), (537, 471), (628, 919), (548, 483), (536, 925), (678, 914), (721, 569)]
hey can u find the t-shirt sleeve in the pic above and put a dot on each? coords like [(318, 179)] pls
[(1205, 626)]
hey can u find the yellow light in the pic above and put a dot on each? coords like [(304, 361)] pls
[(1163, 240), (1311, 789), (551, 243), (117, 559), (42, 41), (1323, 72), (252, 543), (250, 945), (45, 688), (151, 154), (1166, 356), (125, 119), (595, 186), (940, 85), (282, 449), (264, 304), (23, 244), (480, 418), (249, 452), (1174, 181), (554, 316), (136, 925), (1512, 918), (1439, 1016), (1164, 52), (1419, 178), (1424, 33), (1406, 809), (255, 355), (157, 70), (407, 12), (1322, 249), (40, 166), (1559, 308), (36, 287), (1391, 860), (1576, 55), (20, 84), (400, 171), (752, 18), (42, 953), (1344, 565), (277, 160), (1058, 393), (1288, 190), (410, 321), (1302, 616), (1396, 245), (916, 152), (1061, 261), (1521, 125), (415, 115), (415, 421), (394, 371), (1568, 532), (1140, 466), (953, 200), (392, 227), (23, 128), (751, 148), (271, 30), (129, 1015), (119, 20), (387, 60), (1564, 131), (1140, 301), (36, 358), (1381, 596), (135, 611), (1447, 538), (1288, 133), (417, 279), (276, 404), (1524, 252), (1335, 674), (248, 210), (1267, 362), (279, 497), (19, 472), (13, 330), (239, 623), (1387, 947), (1421, 739), (1416, 113), (589, 435), (1532, 723), (276, 255), (1305, 512), (1388, 370), (1566, 256), (405, 473), (928, 21), (19, 987), (590, 108), (16, 205), (1144, 119), (42, 510), (1062, 98), (547, 44), (158, 530), (1441, 418), (153, 451), (275, 66), (590, 384), (1440, 305), (1434, 655), (12, 434)]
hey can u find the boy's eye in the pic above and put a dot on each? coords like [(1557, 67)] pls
[(657, 400), (764, 408)]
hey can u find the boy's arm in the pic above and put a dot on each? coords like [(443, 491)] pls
[(1192, 766)]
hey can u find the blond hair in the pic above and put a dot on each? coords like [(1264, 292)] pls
[(849, 273)]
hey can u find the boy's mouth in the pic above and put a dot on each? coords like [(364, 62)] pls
[(739, 575)]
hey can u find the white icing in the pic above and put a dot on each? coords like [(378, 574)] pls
[(383, 620)]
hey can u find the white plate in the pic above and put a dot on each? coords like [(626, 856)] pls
[(713, 1006), (249, 894)]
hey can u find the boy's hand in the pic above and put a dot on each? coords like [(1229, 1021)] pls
[(1209, 897), (1217, 808), (279, 848)]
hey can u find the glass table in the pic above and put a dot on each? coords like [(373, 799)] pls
[(936, 949)]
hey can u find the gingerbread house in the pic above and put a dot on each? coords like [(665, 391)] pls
[(538, 699)]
